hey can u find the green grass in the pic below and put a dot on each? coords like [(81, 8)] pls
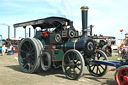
[(114, 56), (114, 51)]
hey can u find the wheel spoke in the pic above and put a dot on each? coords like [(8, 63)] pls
[(32, 60), (25, 65), (75, 73), (24, 58), (78, 68), (69, 71), (32, 50), (77, 60), (122, 83), (23, 51), (30, 45), (26, 46), (101, 66), (124, 73), (93, 68), (78, 64), (121, 75), (68, 57), (66, 60), (100, 71), (73, 56), (29, 66), (33, 53), (97, 70), (67, 65)]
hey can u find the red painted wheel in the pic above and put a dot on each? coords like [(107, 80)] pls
[(121, 75)]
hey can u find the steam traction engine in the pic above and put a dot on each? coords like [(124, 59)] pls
[(59, 44), (102, 44)]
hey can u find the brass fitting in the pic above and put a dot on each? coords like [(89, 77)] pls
[(84, 8)]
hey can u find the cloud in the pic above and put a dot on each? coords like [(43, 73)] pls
[(7, 3), (106, 15)]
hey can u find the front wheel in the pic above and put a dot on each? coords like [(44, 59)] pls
[(121, 75), (73, 64), (97, 69)]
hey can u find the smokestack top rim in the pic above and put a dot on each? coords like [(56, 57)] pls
[(84, 8)]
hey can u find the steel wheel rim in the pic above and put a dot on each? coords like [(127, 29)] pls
[(98, 69), (73, 64), (39, 50), (28, 56), (108, 51), (122, 76)]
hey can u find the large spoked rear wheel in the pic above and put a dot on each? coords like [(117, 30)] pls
[(73, 64), (121, 75), (97, 69), (29, 52)]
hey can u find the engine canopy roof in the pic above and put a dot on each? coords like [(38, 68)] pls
[(49, 22)]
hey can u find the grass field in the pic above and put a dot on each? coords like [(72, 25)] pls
[(10, 74), (114, 57)]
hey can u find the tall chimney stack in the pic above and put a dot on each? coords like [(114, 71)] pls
[(8, 32), (84, 11)]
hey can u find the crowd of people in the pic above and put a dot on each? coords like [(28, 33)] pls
[(8, 50), (123, 52)]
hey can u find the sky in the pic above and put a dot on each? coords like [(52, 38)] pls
[(107, 16)]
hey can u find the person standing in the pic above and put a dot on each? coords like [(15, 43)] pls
[(3, 50), (119, 52)]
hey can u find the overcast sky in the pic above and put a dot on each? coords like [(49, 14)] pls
[(107, 16)]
